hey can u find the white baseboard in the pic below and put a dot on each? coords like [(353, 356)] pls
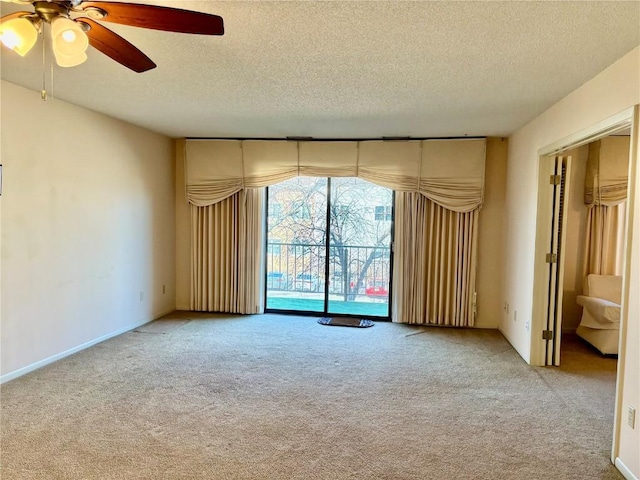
[(624, 470), (34, 366)]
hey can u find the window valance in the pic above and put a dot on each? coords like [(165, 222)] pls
[(449, 172), (213, 171), (607, 171), (391, 164), (452, 173), (328, 159)]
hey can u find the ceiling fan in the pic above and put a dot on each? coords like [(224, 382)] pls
[(74, 26)]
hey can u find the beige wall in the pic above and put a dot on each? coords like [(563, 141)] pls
[(490, 235), (183, 237), (615, 89), (88, 223), (574, 241)]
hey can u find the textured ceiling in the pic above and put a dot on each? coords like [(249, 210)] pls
[(350, 69)]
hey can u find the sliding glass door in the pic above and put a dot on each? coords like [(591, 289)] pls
[(329, 247), (296, 245), (360, 219)]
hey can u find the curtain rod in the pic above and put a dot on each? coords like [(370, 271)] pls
[(311, 139)]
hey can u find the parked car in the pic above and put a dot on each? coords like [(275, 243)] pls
[(277, 281), (305, 282), (377, 289)]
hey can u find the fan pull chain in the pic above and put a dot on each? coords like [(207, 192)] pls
[(52, 84), (43, 93)]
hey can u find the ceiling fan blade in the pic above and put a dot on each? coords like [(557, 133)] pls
[(13, 15), (116, 47), (159, 18)]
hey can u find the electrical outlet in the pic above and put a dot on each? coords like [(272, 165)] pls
[(631, 417), (141, 296), (164, 289), (526, 325)]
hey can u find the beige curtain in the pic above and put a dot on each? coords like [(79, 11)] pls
[(435, 263), (226, 254), (441, 180), (605, 195), (604, 240)]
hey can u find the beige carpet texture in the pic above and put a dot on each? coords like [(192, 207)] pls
[(195, 396)]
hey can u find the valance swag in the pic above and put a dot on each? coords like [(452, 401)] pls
[(448, 172), (607, 171)]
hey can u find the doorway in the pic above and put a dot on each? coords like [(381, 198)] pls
[(328, 248), (626, 120), (547, 321), (586, 204)]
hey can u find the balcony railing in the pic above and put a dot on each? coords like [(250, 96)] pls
[(353, 269)]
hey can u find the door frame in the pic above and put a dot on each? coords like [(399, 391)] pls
[(628, 118), (614, 124)]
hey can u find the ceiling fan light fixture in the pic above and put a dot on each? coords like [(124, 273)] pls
[(19, 35), (74, 24), (70, 60), (69, 39)]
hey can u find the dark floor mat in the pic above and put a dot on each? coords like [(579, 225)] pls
[(346, 322)]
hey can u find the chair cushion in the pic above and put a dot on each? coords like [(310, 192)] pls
[(599, 313), (608, 287)]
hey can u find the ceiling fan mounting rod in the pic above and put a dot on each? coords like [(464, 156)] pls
[(50, 10)]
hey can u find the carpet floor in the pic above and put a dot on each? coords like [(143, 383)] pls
[(196, 396)]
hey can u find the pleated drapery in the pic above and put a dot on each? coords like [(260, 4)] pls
[(226, 254), (605, 196), (439, 188), (435, 263), (604, 240), (449, 172)]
